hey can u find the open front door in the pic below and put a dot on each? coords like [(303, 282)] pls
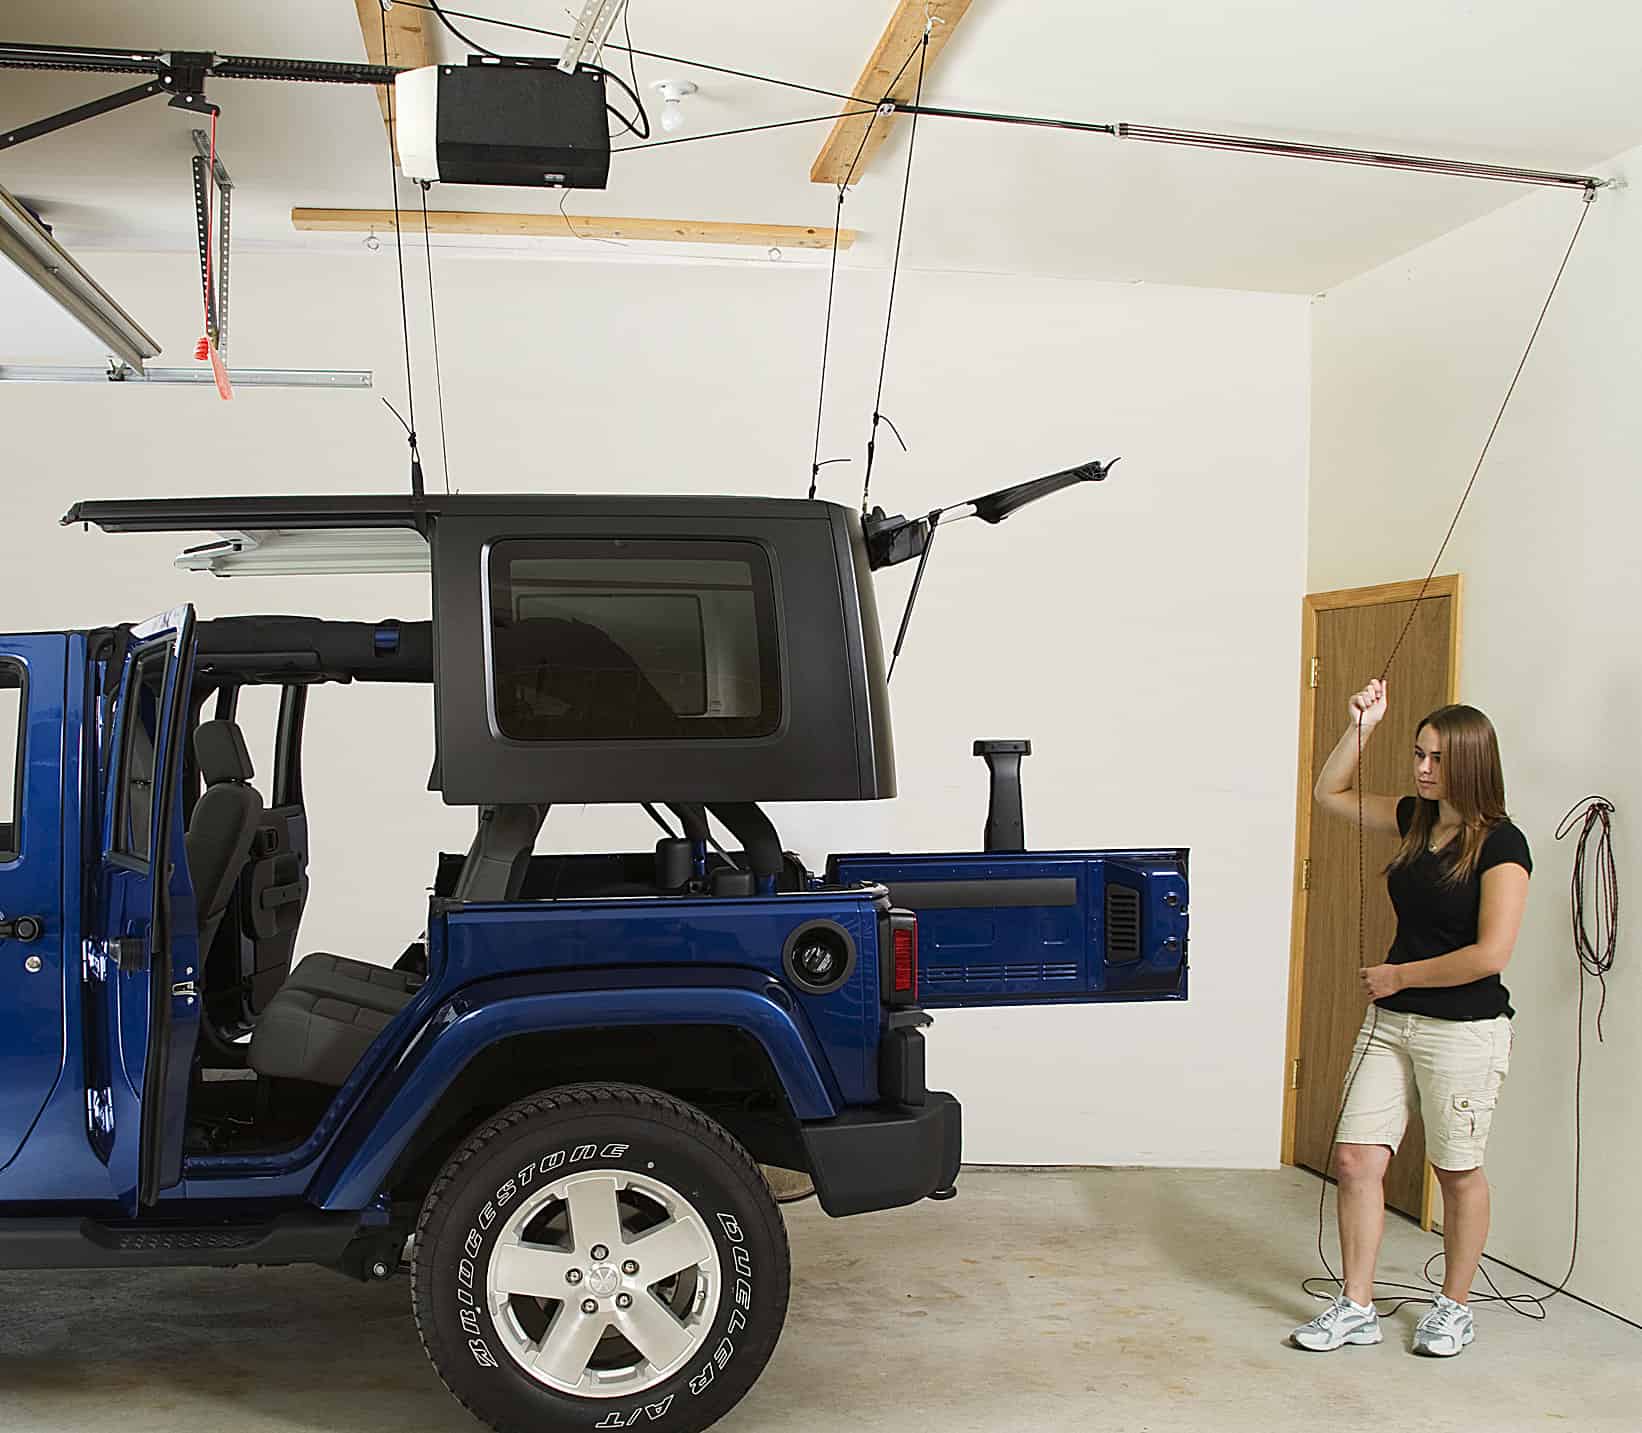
[(149, 942)]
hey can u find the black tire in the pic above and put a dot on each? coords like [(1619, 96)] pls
[(632, 1131)]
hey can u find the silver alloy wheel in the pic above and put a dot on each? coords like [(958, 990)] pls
[(643, 1326)]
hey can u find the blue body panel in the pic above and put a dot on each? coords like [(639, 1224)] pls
[(484, 1014), (501, 970), (76, 1050), (1051, 948), (677, 936), (34, 1018)]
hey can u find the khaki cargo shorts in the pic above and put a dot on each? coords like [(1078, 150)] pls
[(1449, 1070)]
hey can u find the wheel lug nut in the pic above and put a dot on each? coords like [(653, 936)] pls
[(630, 1268), (600, 1253), (624, 1301), (589, 1306), (573, 1277)]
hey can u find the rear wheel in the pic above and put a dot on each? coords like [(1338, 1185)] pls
[(600, 1256)]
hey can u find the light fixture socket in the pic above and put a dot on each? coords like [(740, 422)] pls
[(672, 92)]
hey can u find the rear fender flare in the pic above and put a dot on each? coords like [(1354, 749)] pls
[(353, 1173)]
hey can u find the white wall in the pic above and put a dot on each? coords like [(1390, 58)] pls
[(1410, 364), (1142, 634)]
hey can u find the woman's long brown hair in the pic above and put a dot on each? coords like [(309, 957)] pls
[(1475, 784)]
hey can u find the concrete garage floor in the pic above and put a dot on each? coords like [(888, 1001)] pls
[(1138, 1300)]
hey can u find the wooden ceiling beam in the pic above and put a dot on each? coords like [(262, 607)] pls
[(900, 38), (408, 47), (574, 226)]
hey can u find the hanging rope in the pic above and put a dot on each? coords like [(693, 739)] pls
[(433, 320), (1585, 209), (1362, 838), (894, 275), (417, 485), (884, 106), (832, 287)]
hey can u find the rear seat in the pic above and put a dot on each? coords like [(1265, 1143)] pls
[(326, 1015)]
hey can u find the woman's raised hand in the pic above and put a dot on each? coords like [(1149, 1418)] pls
[(1368, 705)]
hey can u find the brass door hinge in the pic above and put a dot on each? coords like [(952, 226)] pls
[(1294, 1074), (1316, 671), (1305, 874)]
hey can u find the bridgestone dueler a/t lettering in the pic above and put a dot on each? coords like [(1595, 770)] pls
[(600, 1256)]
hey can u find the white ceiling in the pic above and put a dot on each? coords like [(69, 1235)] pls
[(1512, 81)]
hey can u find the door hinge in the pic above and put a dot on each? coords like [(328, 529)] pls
[(1305, 874), (1316, 672), (1294, 1074)]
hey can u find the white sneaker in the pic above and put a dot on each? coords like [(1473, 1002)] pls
[(1446, 1328), (1340, 1323)]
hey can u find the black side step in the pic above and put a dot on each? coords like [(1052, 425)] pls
[(301, 1237)]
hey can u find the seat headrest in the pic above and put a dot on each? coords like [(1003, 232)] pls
[(220, 748)]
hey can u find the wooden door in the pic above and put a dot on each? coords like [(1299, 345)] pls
[(1350, 634)]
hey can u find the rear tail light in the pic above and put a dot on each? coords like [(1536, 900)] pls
[(903, 958)]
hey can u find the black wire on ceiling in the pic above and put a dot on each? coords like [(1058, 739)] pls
[(633, 69), (749, 129), (444, 11), (631, 125)]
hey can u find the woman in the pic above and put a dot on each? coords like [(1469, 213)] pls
[(1438, 1035)]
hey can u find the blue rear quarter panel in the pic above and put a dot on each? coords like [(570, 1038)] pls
[(1048, 939)]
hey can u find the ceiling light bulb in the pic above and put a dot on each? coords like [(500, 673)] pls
[(672, 111)]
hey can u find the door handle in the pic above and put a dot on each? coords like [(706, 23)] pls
[(26, 929)]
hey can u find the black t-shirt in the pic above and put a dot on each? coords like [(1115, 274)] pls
[(1434, 918)]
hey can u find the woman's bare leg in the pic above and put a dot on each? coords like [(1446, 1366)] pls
[(1466, 1207), (1360, 1169)]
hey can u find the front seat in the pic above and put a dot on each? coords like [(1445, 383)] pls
[(224, 823)]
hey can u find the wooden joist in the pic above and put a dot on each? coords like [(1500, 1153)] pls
[(408, 47), (574, 226), (900, 38)]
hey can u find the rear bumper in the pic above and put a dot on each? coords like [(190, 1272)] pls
[(886, 1156)]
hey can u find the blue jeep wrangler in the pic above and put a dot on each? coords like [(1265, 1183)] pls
[(556, 1104)]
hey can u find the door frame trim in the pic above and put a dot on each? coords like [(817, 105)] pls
[(1450, 585)]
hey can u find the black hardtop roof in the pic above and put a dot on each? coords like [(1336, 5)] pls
[(236, 514)]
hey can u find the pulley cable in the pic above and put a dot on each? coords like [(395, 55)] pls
[(1584, 210), (433, 322), (894, 273), (417, 485), (1419, 1294), (745, 129), (816, 463)]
